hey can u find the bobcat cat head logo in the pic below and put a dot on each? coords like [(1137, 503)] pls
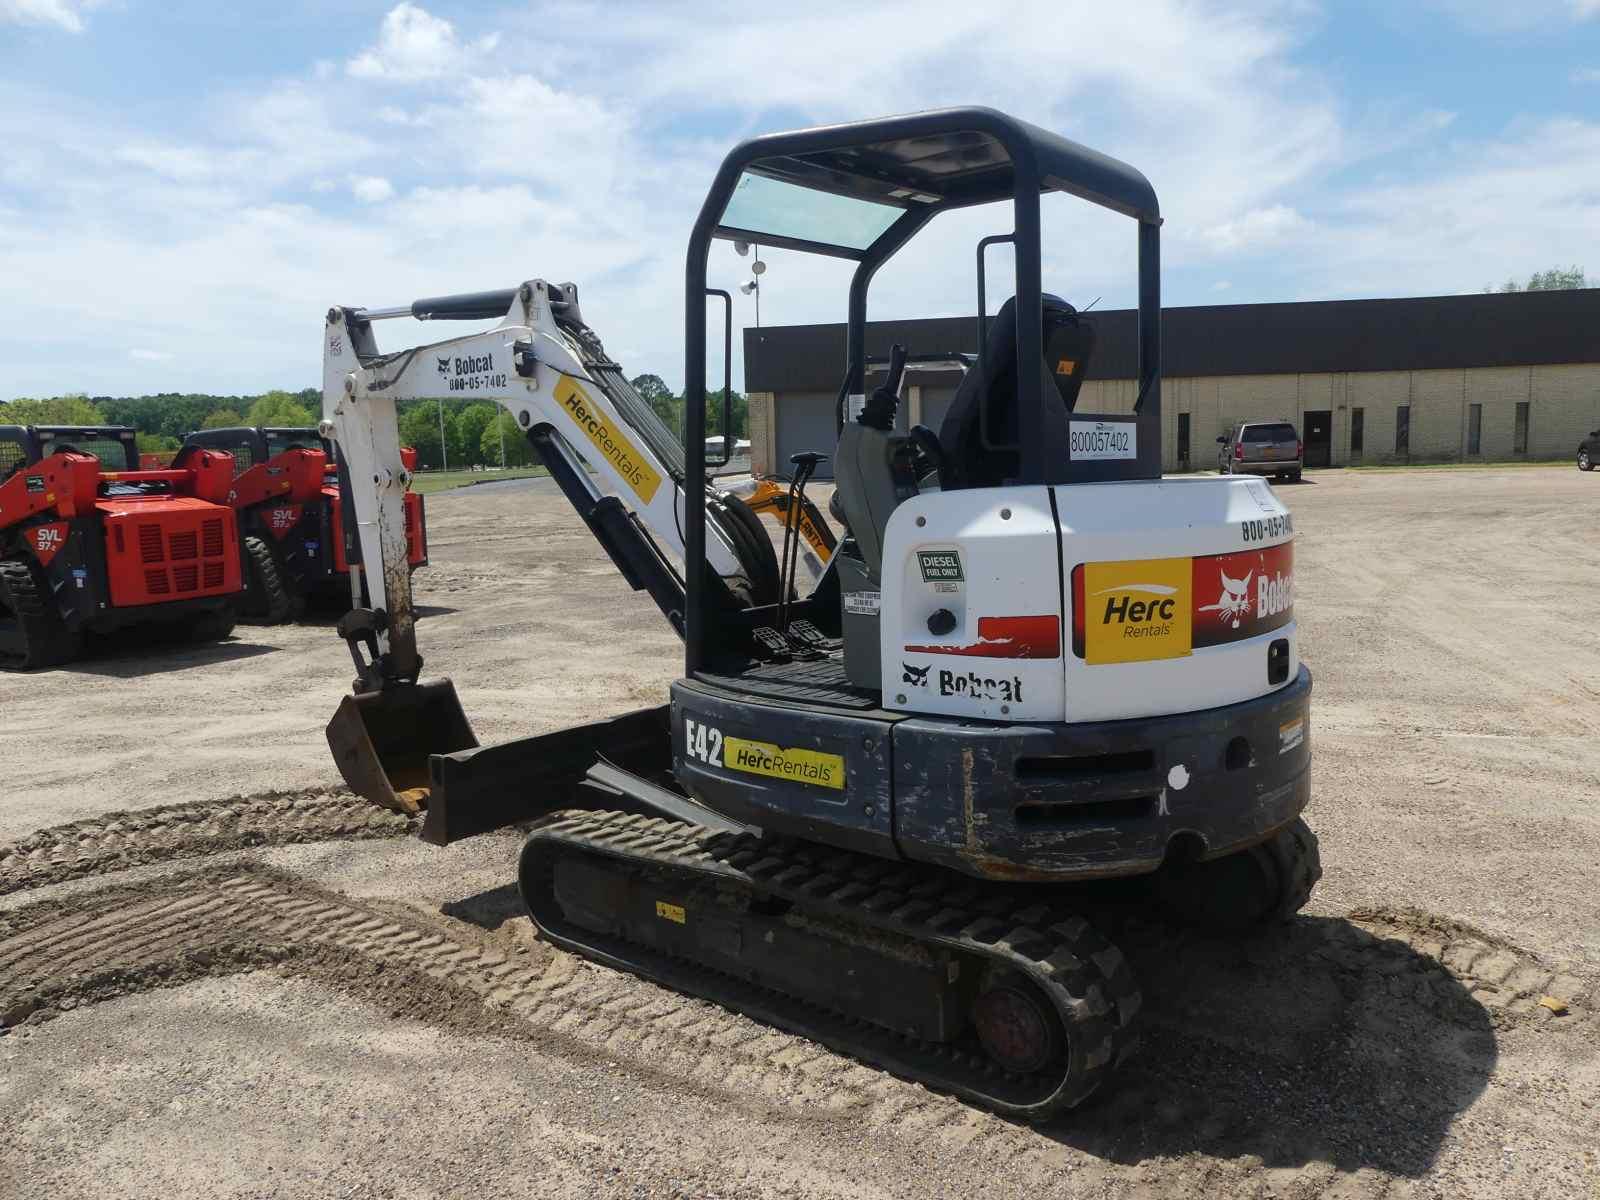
[(915, 676), (444, 364)]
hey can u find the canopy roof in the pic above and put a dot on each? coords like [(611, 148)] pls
[(837, 188)]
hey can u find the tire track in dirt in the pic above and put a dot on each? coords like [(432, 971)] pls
[(117, 841), (61, 954)]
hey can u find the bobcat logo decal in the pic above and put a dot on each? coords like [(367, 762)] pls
[(915, 676), (444, 363), (1234, 602)]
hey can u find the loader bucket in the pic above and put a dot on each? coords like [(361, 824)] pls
[(382, 741)]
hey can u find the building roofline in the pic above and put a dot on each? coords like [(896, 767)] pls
[(1492, 329)]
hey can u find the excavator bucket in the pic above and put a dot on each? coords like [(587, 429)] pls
[(382, 741)]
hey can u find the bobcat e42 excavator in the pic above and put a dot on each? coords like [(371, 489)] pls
[(872, 814)]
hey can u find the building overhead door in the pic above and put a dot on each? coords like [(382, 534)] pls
[(804, 421)]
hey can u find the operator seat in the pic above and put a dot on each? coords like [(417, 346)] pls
[(1068, 343)]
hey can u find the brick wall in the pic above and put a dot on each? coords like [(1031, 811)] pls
[(1564, 405), (761, 433)]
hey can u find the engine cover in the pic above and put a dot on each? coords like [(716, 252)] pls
[(1088, 602)]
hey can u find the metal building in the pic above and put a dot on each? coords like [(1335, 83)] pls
[(1432, 379)]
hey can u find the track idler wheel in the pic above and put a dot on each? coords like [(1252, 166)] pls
[(1017, 1027), (1250, 889)]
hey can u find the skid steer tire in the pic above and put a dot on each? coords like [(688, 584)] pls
[(1249, 890), (216, 625), (25, 606), (270, 600)]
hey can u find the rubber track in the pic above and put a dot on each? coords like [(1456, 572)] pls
[(276, 605), (1299, 860), (118, 841), (1082, 974), (49, 641)]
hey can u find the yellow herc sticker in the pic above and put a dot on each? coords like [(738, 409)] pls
[(797, 766), (671, 912), (1137, 611), (1066, 366), (613, 445)]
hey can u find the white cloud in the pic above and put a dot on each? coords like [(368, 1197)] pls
[(1256, 230), (413, 45), (63, 14), (371, 189), (151, 356), (1586, 74), (238, 231)]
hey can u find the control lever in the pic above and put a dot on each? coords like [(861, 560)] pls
[(880, 408), (805, 465)]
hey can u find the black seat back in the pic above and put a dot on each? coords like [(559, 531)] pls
[(968, 463)]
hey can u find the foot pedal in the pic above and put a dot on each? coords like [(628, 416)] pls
[(773, 645), (808, 635)]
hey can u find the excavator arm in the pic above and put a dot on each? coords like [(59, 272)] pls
[(618, 464)]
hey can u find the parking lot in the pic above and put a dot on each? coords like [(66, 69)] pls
[(221, 974)]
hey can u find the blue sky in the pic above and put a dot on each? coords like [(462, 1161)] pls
[(186, 187)]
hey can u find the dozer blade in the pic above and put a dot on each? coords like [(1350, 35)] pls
[(382, 741)]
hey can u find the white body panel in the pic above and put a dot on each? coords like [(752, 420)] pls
[(1005, 540), (1019, 566), (1189, 516)]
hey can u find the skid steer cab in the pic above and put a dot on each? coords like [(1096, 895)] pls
[(290, 509), (89, 543), (1029, 661)]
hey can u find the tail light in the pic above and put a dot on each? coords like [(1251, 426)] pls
[(1077, 610), (1238, 451), (1299, 449)]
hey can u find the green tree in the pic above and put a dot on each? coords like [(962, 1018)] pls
[(470, 424), (222, 418), (1556, 279), (518, 452), (653, 391), (56, 410), (419, 429), (740, 412), (278, 408), (155, 443)]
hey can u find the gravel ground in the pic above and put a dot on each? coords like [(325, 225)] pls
[(260, 989)]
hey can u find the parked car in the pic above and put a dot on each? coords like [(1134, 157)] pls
[(1261, 448), (1589, 451)]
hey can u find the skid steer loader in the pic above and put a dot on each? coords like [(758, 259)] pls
[(290, 510), (868, 813), (91, 543)]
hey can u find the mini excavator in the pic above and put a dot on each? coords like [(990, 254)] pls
[(868, 813)]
